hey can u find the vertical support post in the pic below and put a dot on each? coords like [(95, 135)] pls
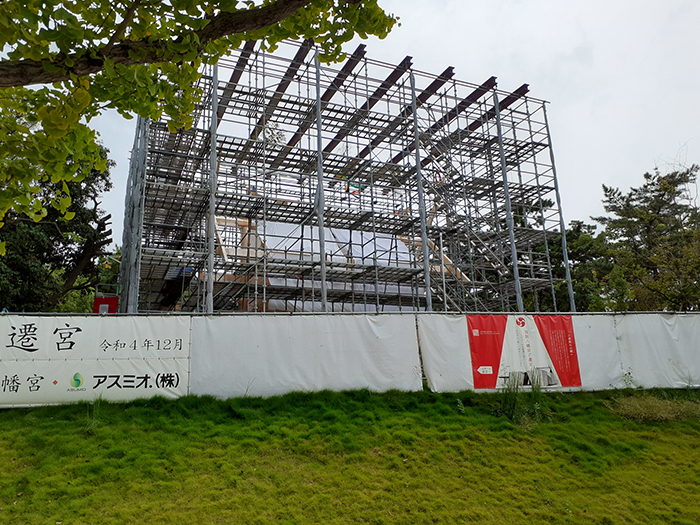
[(128, 239), (421, 201), (532, 274), (263, 245), (509, 213), (562, 227), (442, 273), (132, 220), (211, 218), (320, 196), (544, 223)]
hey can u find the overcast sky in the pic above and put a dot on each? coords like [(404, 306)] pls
[(622, 76)]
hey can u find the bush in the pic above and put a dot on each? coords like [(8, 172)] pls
[(652, 408)]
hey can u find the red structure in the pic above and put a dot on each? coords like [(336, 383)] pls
[(105, 305)]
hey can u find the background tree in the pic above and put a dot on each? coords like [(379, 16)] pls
[(136, 56), (590, 264), (51, 265), (647, 256), (653, 235)]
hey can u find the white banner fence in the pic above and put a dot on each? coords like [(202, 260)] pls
[(63, 359)]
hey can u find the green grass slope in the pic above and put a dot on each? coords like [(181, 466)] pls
[(356, 457)]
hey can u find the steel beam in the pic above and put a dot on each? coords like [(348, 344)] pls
[(451, 115), (435, 154), (369, 104), (236, 74), (287, 78), (408, 110), (331, 90)]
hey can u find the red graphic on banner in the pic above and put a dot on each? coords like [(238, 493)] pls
[(557, 333), (486, 334)]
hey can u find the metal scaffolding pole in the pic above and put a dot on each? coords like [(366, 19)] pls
[(211, 218), (128, 235), (132, 235), (442, 275), (542, 218), (509, 213), (320, 198), (421, 201), (569, 285)]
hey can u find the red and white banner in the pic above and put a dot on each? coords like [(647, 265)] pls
[(526, 349)]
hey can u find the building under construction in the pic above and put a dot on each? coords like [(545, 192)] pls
[(358, 187)]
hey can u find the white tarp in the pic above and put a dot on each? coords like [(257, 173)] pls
[(444, 347), (284, 241), (341, 245), (264, 355), (598, 352), (46, 360), (660, 350)]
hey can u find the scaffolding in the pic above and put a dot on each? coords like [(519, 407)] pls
[(366, 187)]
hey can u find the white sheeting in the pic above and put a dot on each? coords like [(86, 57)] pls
[(524, 352), (341, 245), (48, 360), (599, 357), (444, 344), (284, 240), (276, 354), (660, 350)]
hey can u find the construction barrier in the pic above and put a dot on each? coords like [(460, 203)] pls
[(266, 355), (62, 359), (586, 351), (59, 359)]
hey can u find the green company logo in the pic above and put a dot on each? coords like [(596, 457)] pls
[(76, 380)]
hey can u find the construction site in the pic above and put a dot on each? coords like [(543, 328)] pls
[(354, 187)]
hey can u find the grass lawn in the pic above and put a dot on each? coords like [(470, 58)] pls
[(357, 457)]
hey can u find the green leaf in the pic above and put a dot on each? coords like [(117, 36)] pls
[(43, 135)]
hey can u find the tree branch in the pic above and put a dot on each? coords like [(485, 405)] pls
[(128, 16), (28, 72), (90, 250)]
